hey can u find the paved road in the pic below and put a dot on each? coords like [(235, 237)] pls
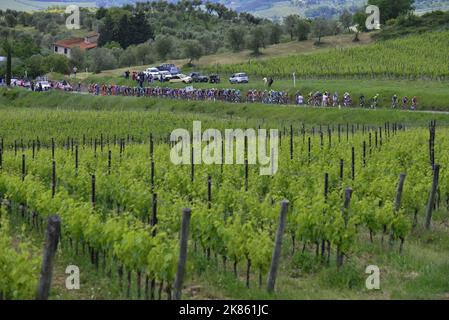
[(295, 106)]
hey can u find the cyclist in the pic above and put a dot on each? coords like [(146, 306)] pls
[(394, 101), (414, 103), (335, 99), (375, 101), (404, 103), (362, 101)]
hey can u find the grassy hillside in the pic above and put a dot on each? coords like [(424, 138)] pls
[(278, 50), (412, 57)]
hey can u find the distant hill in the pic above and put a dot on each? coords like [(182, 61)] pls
[(273, 9)]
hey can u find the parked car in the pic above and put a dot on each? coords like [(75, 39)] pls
[(239, 78), (16, 82), (170, 68), (165, 76), (181, 78), (64, 85), (154, 72), (214, 78), (45, 85), (198, 77)]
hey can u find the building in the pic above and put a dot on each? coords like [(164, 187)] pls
[(65, 46)]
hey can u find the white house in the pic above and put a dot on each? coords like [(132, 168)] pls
[(65, 46)]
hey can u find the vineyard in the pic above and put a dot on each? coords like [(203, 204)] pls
[(404, 58), (348, 186)]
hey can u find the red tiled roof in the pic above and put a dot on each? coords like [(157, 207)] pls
[(75, 42)]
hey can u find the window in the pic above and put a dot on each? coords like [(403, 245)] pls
[(65, 50), (56, 49)]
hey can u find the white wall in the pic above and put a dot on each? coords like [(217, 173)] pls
[(61, 51)]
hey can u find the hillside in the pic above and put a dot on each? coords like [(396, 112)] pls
[(273, 51), (406, 57), (273, 9)]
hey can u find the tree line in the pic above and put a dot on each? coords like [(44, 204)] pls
[(155, 31)]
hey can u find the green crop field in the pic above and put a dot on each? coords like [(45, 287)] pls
[(126, 254), (405, 58), (161, 194)]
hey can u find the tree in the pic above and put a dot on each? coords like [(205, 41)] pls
[(7, 47), (359, 19), (78, 57), (334, 27), (256, 40), (275, 33), (391, 9), (192, 50), (346, 19), (235, 38), (35, 66), (320, 27), (101, 13), (11, 20), (124, 32), (140, 30), (163, 46), (101, 59), (127, 58), (144, 53), (57, 63), (302, 30), (42, 25), (290, 24), (106, 31)]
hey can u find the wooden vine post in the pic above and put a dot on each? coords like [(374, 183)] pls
[(277, 247), (76, 160), (92, 199), (109, 161), (51, 245), (24, 170), (209, 191), (433, 192), (345, 213), (353, 163), (397, 201), (291, 142), (341, 170), (52, 148), (53, 179), (153, 219), (186, 214)]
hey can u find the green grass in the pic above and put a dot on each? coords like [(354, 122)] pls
[(21, 101), (413, 57)]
